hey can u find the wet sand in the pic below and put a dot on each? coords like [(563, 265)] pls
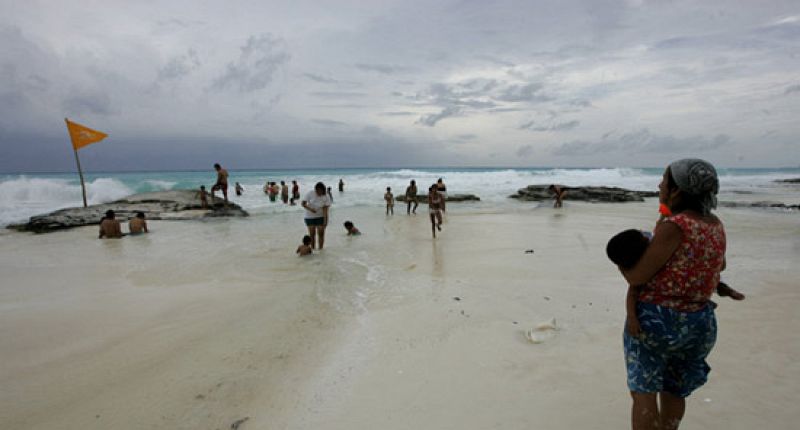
[(202, 324)]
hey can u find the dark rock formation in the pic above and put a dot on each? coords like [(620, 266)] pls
[(423, 198), (764, 204), (589, 194), (161, 205), (789, 181)]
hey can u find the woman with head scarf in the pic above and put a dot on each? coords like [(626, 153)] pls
[(677, 275)]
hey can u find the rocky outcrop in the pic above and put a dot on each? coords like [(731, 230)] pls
[(423, 198), (589, 194), (764, 204), (789, 181), (161, 205)]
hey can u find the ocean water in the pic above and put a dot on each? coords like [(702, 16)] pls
[(25, 195)]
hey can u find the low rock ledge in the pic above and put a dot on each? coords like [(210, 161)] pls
[(159, 205)]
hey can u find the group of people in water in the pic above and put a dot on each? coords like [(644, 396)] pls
[(111, 228)]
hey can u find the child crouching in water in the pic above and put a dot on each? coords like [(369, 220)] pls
[(625, 249), (305, 247), (351, 229)]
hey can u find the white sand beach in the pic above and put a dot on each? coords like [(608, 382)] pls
[(199, 325)]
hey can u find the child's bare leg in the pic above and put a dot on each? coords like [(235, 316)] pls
[(644, 412), (433, 225), (723, 290)]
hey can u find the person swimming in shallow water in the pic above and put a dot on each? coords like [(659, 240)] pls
[(137, 224)]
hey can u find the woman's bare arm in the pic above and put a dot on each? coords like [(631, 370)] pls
[(666, 239)]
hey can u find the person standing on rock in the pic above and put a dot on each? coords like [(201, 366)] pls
[(109, 227), (411, 196), (316, 204), (222, 183)]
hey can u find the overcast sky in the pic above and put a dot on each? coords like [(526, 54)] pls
[(373, 83)]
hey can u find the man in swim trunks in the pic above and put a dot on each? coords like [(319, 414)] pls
[(411, 196), (222, 183)]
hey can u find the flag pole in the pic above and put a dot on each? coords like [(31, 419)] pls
[(80, 172)]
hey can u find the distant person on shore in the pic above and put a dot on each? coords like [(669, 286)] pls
[(137, 224), (678, 272), (558, 195), (109, 226), (239, 189), (203, 196), (284, 192), (442, 189), (389, 197), (351, 229), (221, 184), (411, 196), (341, 185), (305, 247), (316, 204), (435, 209), (330, 194)]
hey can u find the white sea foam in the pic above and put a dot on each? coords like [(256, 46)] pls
[(23, 196), (26, 195)]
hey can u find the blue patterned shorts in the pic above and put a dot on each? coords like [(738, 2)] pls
[(670, 353)]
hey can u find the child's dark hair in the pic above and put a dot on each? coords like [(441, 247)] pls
[(306, 240), (388, 188), (626, 248), (202, 187), (348, 225), (140, 215)]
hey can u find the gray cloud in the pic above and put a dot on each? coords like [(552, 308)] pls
[(524, 151), (553, 126), (398, 113), (431, 119), (792, 89), (328, 122), (338, 94), (384, 69), (180, 66), (88, 101), (642, 141), (258, 61), (320, 78)]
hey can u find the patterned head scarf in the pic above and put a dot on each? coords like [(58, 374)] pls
[(697, 178)]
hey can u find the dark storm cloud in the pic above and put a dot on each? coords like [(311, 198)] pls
[(642, 141), (259, 59)]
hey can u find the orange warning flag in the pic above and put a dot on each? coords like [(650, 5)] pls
[(82, 135)]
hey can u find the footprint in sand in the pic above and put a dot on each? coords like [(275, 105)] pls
[(542, 332)]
